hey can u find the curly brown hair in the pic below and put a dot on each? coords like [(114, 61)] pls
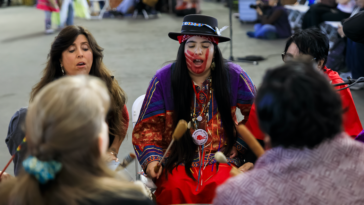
[(53, 71)]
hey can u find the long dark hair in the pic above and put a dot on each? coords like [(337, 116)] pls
[(184, 150), (53, 71)]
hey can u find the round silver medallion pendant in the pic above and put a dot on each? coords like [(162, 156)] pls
[(200, 137)]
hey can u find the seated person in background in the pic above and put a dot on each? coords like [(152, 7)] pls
[(355, 49), (316, 44), (130, 6), (312, 161), (337, 59), (274, 24), (354, 28), (328, 4), (186, 7), (264, 6), (74, 52), (318, 14), (67, 138)]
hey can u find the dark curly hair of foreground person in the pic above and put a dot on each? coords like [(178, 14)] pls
[(298, 114)]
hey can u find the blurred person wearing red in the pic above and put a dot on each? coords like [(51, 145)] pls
[(311, 160), (48, 6), (67, 138), (76, 52), (316, 44)]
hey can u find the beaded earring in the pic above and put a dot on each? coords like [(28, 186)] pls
[(212, 66)]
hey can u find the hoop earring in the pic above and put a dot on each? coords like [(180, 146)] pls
[(62, 68), (213, 66)]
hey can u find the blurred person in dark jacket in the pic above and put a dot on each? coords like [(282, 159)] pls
[(323, 12), (327, 4), (354, 30), (354, 27)]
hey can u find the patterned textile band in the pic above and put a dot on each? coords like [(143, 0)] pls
[(184, 38), (199, 25)]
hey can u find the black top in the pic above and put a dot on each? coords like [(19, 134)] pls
[(140, 200), (354, 27)]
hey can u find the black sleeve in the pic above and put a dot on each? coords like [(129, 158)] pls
[(354, 27), (272, 18), (15, 137), (250, 156), (110, 200)]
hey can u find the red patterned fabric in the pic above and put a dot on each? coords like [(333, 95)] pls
[(331, 173), (125, 122), (184, 38), (180, 189), (157, 130)]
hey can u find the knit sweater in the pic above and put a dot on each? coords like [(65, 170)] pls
[(332, 173)]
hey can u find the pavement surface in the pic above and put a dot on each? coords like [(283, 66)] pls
[(134, 50)]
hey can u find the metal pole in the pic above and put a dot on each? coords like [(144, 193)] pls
[(231, 30)]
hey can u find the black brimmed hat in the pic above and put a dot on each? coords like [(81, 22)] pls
[(196, 24)]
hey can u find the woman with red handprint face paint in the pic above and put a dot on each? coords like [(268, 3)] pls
[(204, 89)]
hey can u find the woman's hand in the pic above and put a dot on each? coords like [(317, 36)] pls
[(111, 155), (5, 176), (246, 167), (150, 170), (233, 153)]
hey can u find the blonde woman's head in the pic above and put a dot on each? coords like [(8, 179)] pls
[(66, 120)]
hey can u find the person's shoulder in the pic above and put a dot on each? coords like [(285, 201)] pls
[(15, 124), (234, 68), (164, 72), (231, 191), (352, 147), (333, 76)]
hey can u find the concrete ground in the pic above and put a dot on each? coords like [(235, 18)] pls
[(134, 51)]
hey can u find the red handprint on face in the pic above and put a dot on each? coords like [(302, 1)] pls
[(195, 63)]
